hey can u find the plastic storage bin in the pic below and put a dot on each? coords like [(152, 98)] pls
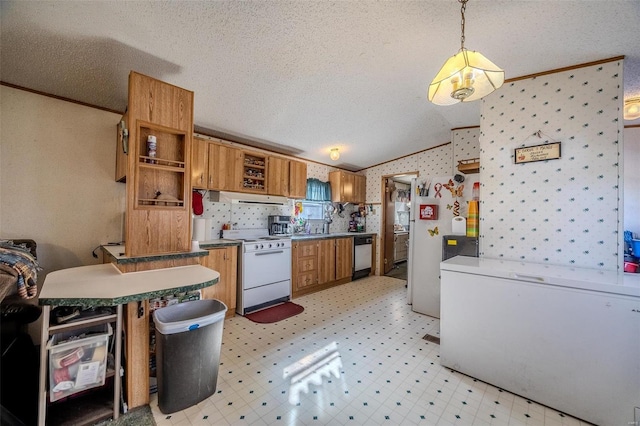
[(77, 360), (188, 340)]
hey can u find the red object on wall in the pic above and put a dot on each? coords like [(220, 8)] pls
[(196, 203), (428, 212)]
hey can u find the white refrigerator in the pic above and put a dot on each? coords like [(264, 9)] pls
[(425, 235)]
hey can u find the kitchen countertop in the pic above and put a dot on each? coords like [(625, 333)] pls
[(331, 235), (219, 243), (105, 285), (117, 252)]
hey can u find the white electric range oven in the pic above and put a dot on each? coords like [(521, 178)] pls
[(264, 269)]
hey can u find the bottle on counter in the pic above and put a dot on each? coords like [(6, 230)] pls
[(472, 219), (151, 147)]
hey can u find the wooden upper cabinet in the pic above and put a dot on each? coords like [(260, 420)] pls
[(297, 179), (360, 189), (287, 177), (278, 176), (219, 166), (225, 168), (199, 163), (347, 187), (158, 202)]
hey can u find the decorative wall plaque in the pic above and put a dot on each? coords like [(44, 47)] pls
[(428, 212), (549, 151)]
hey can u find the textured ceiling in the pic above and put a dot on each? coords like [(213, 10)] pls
[(303, 76)]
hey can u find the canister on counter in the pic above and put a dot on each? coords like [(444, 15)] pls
[(151, 148), (472, 219)]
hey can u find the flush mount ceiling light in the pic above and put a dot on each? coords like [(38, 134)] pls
[(632, 108), (334, 154), (465, 77)]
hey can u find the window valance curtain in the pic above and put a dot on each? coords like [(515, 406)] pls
[(318, 190)]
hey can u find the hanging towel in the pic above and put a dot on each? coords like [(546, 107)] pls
[(196, 203)]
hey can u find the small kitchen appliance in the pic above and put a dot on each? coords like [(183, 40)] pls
[(279, 225), (264, 269)]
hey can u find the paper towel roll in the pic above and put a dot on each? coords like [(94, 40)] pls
[(459, 225), (199, 227), (208, 224)]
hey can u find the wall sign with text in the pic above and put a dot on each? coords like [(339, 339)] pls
[(549, 151)]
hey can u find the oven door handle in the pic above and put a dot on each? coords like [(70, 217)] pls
[(269, 252)]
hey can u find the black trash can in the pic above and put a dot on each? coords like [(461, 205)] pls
[(188, 340)]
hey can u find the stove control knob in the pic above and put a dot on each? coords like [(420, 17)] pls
[(261, 246), (280, 244), (269, 245), (256, 247)]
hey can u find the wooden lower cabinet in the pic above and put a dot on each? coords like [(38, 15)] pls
[(225, 261), (304, 257), (320, 264), (327, 261), (344, 258)]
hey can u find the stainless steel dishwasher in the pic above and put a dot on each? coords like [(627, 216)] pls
[(361, 256)]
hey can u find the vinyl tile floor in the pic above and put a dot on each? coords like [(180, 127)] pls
[(355, 356), (398, 271)]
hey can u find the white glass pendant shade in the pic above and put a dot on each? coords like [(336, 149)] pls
[(465, 77), (632, 109)]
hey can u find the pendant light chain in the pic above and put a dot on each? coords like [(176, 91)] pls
[(462, 9)]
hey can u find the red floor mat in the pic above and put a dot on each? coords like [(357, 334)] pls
[(275, 313)]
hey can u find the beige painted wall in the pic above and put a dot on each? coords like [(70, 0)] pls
[(57, 164)]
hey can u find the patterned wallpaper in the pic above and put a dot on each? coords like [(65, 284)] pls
[(562, 211), (466, 144), (433, 162)]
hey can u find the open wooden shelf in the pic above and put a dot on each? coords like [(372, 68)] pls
[(471, 165), (254, 173), (163, 173)]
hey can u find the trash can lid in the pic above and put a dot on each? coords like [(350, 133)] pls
[(188, 316)]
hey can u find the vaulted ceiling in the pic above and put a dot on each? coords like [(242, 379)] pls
[(301, 77)]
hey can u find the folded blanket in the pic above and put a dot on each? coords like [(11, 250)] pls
[(18, 267)]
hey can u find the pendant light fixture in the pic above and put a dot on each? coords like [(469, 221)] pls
[(334, 154), (465, 77), (632, 108)]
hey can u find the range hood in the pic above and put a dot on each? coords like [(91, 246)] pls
[(246, 198)]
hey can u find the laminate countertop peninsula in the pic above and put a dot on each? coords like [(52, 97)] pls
[(106, 285)]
